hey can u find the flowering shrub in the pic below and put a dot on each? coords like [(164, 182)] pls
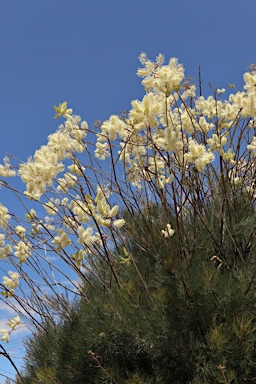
[(192, 157)]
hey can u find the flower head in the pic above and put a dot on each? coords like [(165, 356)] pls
[(61, 110), (168, 232), (5, 336)]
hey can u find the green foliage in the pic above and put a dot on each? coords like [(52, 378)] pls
[(182, 309)]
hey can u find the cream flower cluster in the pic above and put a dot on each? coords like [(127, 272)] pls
[(22, 251), (6, 170), (10, 283), (5, 336), (164, 78), (42, 170), (97, 209), (161, 134), (252, 146), (4, 216), (168, 231), (62, 110), (62, 240), (5, 249), (198, 155), (86, 215), (13, 323)]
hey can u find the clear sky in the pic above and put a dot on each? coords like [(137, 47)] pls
[(86, 52)]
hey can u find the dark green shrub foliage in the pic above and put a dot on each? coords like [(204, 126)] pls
[(181, 309)]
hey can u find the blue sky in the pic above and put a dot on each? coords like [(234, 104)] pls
[(86, 52)]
